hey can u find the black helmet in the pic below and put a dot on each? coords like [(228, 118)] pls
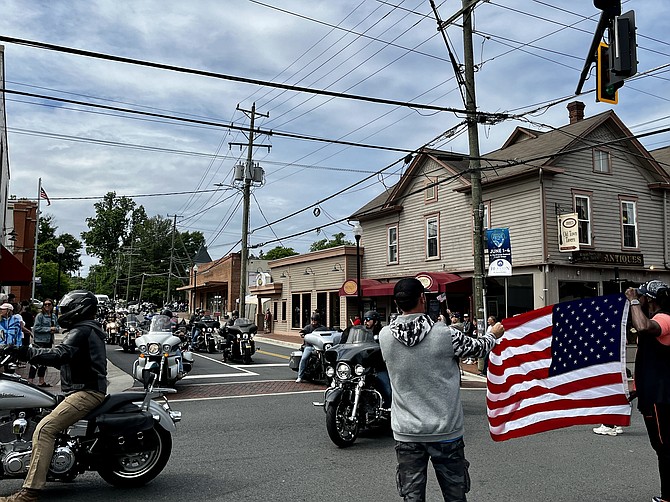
[(236, 313), (315, 317), (371, 314), (167, 312), (76, 306)]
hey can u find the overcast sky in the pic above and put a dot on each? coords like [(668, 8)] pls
[(529, 54)]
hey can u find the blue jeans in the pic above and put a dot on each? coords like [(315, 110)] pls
[(384, 387), (194, 336), (306, 353), (449, 463)]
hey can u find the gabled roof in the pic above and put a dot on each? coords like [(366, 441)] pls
[(521, 134), (662, 156), (391, 199), (202, 256)]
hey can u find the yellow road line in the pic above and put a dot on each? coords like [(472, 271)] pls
[(282, 356)]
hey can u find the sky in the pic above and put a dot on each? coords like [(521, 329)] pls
[(528, 54)]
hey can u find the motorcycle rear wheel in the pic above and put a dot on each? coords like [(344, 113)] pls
[(133, 470), (340, 429)]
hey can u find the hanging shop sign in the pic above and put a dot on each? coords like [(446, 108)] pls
[(568, 233)]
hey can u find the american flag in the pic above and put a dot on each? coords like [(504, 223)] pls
[(559, 366), (43, 195)]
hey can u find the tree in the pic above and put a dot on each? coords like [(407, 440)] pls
[(112, 227), (48, 274), (337, 240), (279, 252)]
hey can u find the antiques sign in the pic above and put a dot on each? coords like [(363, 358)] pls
[(608, 258)]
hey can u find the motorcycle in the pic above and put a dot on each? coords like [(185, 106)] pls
[(112, 329), (129, 332), (353, 403), (127, 439), (208, 333), (238, 342), (161, 354), (321, 339)]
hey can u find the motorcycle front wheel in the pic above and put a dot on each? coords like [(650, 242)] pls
[(341, 430), (137, 469)]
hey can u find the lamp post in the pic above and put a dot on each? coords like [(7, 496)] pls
[(358, 233), (195, 285), (60, 250)]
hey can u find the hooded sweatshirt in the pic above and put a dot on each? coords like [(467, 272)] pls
[(422, 360)]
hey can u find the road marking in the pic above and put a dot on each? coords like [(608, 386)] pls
[(264, 365), (224, 364), (281, 356), (218, 375), (247, 395)]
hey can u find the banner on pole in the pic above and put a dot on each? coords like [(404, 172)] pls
[(500, 252)]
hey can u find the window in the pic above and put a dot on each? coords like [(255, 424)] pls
[(583, 210), (431, 190), (486, 220), (629, 223), (601, 161), (392, 243), (432, 237)]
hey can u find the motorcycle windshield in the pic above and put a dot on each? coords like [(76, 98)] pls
[(360, 347), (161, 323), (242, 322)]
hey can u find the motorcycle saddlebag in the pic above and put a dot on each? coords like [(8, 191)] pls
[(294, 360), (124, 423)]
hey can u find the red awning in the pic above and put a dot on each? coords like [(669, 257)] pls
[(433, 281), (12, 271), (370, 287)]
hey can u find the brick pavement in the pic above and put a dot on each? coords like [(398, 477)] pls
[(236, 389)]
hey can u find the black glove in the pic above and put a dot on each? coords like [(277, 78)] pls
[(19, 353)]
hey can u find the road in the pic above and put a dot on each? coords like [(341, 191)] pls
[(250, 433)]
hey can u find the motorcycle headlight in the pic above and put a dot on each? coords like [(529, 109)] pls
[(143, 348), (209, 330), (330, 371), (153, 349), (245, 336), (132, 330), (167, 347), (327, 346), (343, 371), (238, 337), (359, 370)]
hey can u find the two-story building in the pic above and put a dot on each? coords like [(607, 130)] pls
[(593, 167)]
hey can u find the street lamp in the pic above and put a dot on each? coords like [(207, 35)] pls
[(60, 250), (358, 233), (195, 285)]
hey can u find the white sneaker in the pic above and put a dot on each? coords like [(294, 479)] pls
[(618, 430), (605, 431), (298, 380)]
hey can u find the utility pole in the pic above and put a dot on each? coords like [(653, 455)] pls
[(174, 230), (249, 176), (475, 166)]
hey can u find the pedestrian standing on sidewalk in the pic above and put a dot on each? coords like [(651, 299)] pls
[(44, 332), (650, 316), (426, 411)]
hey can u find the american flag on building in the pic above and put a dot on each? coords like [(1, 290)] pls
[(559, 366), (43, 195)]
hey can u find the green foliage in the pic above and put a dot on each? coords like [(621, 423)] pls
[(337, 240), (48, 274), (279, 252)]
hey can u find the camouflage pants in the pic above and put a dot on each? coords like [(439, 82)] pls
[(451, 469)]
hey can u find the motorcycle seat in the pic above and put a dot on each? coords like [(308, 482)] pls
[(113, 401)]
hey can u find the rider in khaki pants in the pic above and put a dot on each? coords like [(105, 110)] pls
[(82, 360)]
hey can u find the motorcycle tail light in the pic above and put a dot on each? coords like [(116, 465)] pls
[(343, 371), (330, 371), (359, 369)]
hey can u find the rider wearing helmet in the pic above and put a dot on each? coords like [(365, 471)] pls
[(307, 350), (82, 360)]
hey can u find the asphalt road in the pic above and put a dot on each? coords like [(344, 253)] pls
[(261, 446)]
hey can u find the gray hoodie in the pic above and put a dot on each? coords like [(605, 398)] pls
[(422, 360)]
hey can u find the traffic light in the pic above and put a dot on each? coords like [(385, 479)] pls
[(608, 83)]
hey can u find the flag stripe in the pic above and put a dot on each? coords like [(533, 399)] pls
[(603, 417)]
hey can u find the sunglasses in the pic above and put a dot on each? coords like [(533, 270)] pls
[(48, 304)]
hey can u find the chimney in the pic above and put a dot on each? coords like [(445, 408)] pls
[(576, 111)]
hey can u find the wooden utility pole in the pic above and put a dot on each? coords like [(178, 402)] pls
[(174, 230), (248, 177), (475, 166)]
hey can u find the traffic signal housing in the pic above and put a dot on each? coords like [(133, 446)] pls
[(608, 83)]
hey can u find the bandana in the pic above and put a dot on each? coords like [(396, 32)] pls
[(413, 331)]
